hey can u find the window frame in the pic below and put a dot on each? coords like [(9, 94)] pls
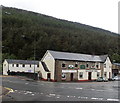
[(64, 75), (80, 73), (17, 65), (64, 65), (76, 65), (23, 65)]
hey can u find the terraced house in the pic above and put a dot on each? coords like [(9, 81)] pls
[(64, 66)]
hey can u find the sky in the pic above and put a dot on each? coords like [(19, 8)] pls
[(98, 13)]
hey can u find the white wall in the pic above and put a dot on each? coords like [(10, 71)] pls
[(44, 73), (5, 68), (85, 74), (50, 62), (108, 68), (20, 68)]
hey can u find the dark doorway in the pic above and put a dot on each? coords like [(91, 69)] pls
[(48, 76), (89, 75), (71, 76)]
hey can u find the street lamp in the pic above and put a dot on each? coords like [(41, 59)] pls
[(34, 51)]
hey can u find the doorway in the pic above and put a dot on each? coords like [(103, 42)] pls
[(48, 76), (71, 76), (89, 75)]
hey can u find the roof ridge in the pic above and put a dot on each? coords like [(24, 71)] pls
[(76, 53)]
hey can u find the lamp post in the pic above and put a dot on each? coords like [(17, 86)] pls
[(34, 51)]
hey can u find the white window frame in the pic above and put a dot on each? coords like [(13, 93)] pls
[(64, 75), (80, 74)]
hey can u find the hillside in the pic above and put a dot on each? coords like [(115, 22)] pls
[(23, 31)]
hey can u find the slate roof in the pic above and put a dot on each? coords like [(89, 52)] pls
[(11, 61), (77, 56), (117, 64)]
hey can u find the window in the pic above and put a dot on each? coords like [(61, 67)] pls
[(87, 65), (38, 65), (23, 65), (4, 64), (76, 65), (81, 74), (63, 65), (30, 65), (63, 76), (17, 65), (97, 66), (12, 65), (98, 74), (105, 74), (82, 66), (104, 65)]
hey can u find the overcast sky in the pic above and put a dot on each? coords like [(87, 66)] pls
[(97, 13)]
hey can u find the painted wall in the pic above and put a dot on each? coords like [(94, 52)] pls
[(107, 68), (5, 68), (50, 62), (42, 71), (20, 68)]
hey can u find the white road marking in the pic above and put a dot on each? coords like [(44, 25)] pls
[(15, 90), (48, 95), (41, 93), (97, 98), (113, 99), (52, 94), (83, 97), (68, 96), (79, 88), (26, 83), (94, 98), (33, 94), (29, 92), (25, 93), (92, 89)]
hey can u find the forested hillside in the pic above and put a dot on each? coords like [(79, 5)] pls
[(23, 31)]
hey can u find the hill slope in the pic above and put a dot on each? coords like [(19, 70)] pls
[(23, 31)]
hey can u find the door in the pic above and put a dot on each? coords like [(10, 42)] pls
[(89, 75), (48, 76), (71, 76)]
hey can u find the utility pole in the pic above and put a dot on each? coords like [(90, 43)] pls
[(34, 51)]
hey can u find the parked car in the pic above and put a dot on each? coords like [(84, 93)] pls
[(101, 79), (116, 78)]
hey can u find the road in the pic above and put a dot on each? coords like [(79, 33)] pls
[(25, 89)]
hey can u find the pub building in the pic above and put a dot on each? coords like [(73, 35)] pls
[(65, 66)]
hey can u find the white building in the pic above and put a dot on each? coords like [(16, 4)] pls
[(25, 66)]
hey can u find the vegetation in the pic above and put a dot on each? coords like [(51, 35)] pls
[(24, 32)]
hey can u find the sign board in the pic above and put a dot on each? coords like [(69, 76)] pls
[(69, 71), (29, 70), (71, 67), (91, 71)]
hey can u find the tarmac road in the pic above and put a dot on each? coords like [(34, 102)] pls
[(25, 89)]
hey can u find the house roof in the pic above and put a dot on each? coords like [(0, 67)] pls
[(22, 61), (118, 64), (77, 56)]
